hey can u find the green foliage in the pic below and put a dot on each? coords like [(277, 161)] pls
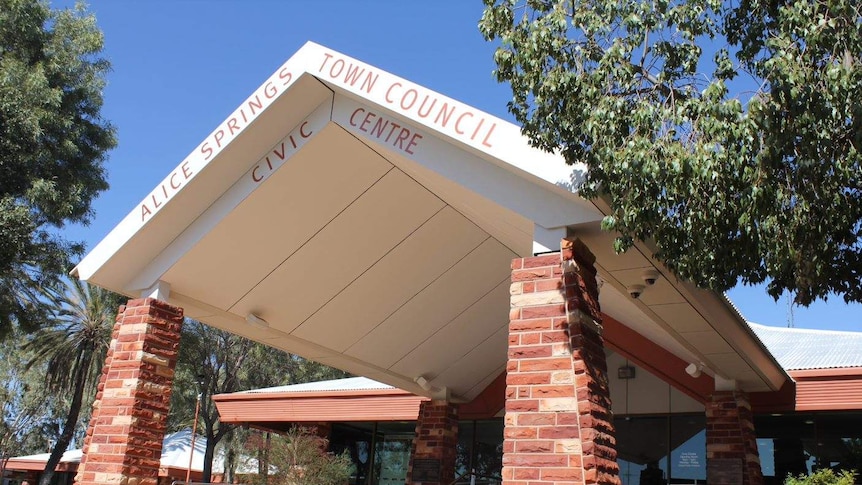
[(72, 347), (761, 185), (23, 403), (300, 457), (53, 143), (228, 363), (823, 477)]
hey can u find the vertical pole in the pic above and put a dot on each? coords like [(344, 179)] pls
[(194, 435)]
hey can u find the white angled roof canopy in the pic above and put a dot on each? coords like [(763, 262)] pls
[(355, 218)]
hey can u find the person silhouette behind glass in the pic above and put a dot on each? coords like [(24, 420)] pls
[(652, 474)]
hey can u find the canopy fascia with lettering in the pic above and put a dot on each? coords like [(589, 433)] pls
[(358, 219)]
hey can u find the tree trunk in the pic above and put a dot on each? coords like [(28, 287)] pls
[(208, 459), (229, 465), (213, 439), (69, 427)]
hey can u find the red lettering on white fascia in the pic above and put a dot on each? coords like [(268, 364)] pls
[(413, 101), (166, 190), (353, 116), (385, 130), (348, 73), (247, 113), (285, 76), (279, 153), (458, 122), (423, 104)]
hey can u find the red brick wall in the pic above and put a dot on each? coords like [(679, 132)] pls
[(558, 426), (730, 439), (124, 438), (436, 439)]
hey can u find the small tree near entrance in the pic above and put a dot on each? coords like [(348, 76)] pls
[(299, 457)]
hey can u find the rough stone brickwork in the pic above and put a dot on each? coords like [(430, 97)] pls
[(731, 443), (123, 444), (558, 426), (436, 439)]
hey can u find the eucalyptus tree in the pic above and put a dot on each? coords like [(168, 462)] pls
[(72, 346), (53, 142), (213, 361), (727, 134), (25, 407)]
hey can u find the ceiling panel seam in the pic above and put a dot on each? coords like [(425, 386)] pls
[(489, 337), (369, 145), (399, 243), (408, 300), (465, 310), (275, 268)]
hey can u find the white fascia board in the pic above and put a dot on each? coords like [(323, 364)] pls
[(498, 141), (497, 138), (253, 178), (543, 204), (204, 154), (547, 240)]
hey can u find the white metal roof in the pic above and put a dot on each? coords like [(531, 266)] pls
[(801, 348), (333, 385), (175, 452)]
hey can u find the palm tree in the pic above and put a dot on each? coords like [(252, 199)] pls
[(72, 345)]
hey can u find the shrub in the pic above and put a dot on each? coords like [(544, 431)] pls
[(823, 477), (300, 457)]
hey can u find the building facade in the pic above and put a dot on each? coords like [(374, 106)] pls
[(354, 218)]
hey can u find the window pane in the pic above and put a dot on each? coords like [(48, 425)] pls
[(688, 458), (642, 449)]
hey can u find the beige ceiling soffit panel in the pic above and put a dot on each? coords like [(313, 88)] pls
[(244, 187), (495, 342), (708, 302), (381, 292), (649, 313), (742, 338), (512, 229), (481, 385), (470, 128), (240, 326), (545, 204), (460, 335), (331, 171), (276, 338), (203, 175)]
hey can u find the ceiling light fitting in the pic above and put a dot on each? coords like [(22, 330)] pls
[(694, 370), (423, 383), (256, 321)]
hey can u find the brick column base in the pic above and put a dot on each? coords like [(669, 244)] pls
[(731, 443), (435, 444), (559, 428), (123, 444)]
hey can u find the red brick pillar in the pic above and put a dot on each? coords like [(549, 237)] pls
[(432, 460), (731, 443), (559, 427), (123, 444)]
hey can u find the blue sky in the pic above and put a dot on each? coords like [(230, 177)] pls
[(180, 67)]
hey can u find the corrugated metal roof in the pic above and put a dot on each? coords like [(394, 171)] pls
[(175, 452), (801, 348), (348, 384)]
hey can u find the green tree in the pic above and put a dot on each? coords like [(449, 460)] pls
[(228, 363), (53, 143), (72, 345), (727, 134), (299, 456), (25, 404)]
